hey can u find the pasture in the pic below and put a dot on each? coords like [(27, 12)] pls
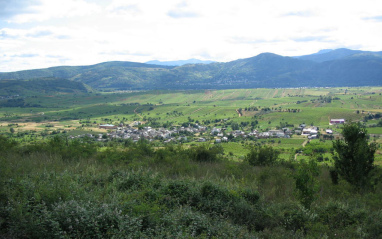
[(270, 108)]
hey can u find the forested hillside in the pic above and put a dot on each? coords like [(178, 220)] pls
[(340, 67)]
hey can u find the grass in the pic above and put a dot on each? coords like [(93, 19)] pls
[(214, 106), (46, 193)]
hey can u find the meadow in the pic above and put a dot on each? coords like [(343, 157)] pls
[(81, 113)]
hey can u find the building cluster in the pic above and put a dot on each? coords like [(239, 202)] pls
[(201, 133), (9, 96), (149, 133), (197, 132)]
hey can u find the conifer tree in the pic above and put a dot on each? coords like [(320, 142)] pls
[(354, 156)]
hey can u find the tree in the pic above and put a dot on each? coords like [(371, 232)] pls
[(306, 182), (354, 156), (234, 126), (261, 156)]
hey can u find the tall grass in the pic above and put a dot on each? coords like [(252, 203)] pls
[(137, 192)]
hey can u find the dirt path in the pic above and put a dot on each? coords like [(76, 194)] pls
[(305, 142), (226, 97), (275, 93), (195, 111), (238, 113), (135, 111), (303, 145)]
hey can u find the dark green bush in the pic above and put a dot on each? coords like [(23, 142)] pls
[(6, 144), (372, 226), (250, 196), (204, 153), (336, 215), (261, 156), (134, 181)]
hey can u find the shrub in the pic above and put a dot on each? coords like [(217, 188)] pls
[(6, 144), (261, 156), (373, 225), (306, 182), (204, 153)]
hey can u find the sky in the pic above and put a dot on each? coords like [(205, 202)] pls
[(44, 33)]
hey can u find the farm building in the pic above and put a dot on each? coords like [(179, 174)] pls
[(336, 121), (310, 131), (107, 126)]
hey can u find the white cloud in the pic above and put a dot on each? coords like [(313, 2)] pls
[(86, 32), (48, 9)]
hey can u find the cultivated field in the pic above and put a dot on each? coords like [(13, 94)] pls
[(75, 114)]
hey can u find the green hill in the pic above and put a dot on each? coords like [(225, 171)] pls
[(340, 67), (40, 86)]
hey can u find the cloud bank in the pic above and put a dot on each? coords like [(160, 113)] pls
[(80, 32)]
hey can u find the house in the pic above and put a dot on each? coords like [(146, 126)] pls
[(329, 131), (202, 140), (263, 135), (215, 130), (314, 136), (107, 126), (337, 121), (309, 131), (218, 141), (276, 133), (225, 139)]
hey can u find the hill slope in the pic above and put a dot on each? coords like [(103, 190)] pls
[(40, 86), (179, 63), (330, 55), (340, 67)]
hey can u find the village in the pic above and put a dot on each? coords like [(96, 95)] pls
[(199, 133)]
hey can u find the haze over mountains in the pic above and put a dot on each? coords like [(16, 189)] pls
[(179, 63), (327, 68)]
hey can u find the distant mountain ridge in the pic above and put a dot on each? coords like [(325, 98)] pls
[(341, 67), (179, 63), (330, 55)]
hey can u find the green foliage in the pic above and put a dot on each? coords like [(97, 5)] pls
[(70, 149), (262, 156), (140, 191), (354, 156), (6, 144), (205, 153), (306, 182), (36, 86), (373, 225)]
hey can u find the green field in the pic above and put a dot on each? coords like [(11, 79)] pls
[(59, 181), (82, 112)]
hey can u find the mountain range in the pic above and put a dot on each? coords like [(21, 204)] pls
[(179, 63), (327, 68)]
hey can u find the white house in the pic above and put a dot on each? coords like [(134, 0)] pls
[(309, 131), (337, 121)]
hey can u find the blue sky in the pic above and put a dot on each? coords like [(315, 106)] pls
[(44, 33)]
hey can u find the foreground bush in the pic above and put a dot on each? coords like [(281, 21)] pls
[(137, 191)]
